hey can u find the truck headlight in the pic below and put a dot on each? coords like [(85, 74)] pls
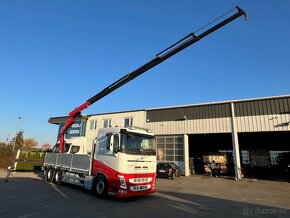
[(122, 182)]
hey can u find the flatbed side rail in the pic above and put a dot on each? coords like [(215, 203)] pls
[(76, 163)]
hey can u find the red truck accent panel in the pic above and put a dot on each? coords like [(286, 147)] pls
[(136, 184)]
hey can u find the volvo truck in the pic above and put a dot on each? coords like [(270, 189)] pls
[(122, 164), (123, 160)]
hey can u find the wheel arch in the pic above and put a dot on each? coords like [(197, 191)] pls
[(100, 173)]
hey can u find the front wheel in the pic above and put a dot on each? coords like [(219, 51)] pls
[(100, 187)]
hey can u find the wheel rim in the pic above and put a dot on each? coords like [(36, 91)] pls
[(49, 173), (57, 176), (100, 187)]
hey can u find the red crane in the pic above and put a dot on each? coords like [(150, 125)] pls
[(160, 57)]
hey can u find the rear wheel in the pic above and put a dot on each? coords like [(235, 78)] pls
[(50, 174), (57, 177), (173, 175), (100, 187)]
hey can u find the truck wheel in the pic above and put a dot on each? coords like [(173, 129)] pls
[(57, 177), (100, 187), (173, 175), (50, 174)]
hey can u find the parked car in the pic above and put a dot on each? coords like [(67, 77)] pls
[(168, 170)]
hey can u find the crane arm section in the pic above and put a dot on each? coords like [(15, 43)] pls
[(160, 57)]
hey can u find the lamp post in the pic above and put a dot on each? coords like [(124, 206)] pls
[(10, 167), (18, 121)]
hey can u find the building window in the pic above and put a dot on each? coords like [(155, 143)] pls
[(128, 121), (107, 123), (93, 124)]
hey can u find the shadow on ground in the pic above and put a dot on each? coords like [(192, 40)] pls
[(24, 196)]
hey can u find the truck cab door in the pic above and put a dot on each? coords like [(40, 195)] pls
[(113, 143), (105, 154)]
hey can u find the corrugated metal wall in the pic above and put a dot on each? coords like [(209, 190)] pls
[(191, 112), (218, 125), (251, 116)]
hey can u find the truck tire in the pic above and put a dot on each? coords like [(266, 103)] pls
[(57, 177), (100, 187), (173, 175), (50, 174)]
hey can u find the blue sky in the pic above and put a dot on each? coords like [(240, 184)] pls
[(55, 55)]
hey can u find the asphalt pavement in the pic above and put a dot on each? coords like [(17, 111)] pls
[(27, 195)]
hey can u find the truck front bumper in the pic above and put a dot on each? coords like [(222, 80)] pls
[(129, 194)]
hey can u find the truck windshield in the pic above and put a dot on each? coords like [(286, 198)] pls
[(132, 143)]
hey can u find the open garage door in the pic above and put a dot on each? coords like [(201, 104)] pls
[(202, 145), (263, 154)]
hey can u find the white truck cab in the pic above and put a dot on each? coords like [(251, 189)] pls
[(122, 163)]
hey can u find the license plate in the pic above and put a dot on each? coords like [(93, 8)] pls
[(140, 188)]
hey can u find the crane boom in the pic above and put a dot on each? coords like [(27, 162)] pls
[(160, 57)]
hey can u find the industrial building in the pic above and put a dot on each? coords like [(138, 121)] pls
[(251, 134)]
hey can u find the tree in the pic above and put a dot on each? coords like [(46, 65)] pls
[(23, 143), (19, 140), (46, 147), (7, 154), (30, 143)]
